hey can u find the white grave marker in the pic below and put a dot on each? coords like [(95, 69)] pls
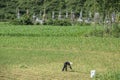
[(80, 15), (66, 14), (92, 73), (59, 16), (18, 14), (53, 15)]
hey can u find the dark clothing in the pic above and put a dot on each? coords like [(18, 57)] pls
[(65, 66)]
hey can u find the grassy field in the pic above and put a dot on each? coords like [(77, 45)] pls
[(38, 52)]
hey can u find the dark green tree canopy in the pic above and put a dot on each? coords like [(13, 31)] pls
[(8, 7)]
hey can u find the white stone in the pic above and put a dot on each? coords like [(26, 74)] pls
[(92, 73)]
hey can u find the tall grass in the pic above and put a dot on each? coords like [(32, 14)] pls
[(110, 75), (40, 30)]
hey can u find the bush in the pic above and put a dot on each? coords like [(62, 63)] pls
[(48, 22), (82, 23), (58, 22), (24, 20), (116, 30), (16, 22)]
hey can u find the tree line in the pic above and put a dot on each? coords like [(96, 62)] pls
[(8, 8)]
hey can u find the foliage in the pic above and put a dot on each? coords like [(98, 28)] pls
[(82, 23), (8, 7), (24, 20), (116, 30), (58, 22)]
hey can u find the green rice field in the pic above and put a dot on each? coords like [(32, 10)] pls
[(37, 52)]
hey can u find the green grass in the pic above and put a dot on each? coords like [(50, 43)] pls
[(41, 30), (41, 55)]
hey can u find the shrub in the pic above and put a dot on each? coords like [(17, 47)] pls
[(116, 30), (16, 22), (82, 23), (49, 22), (24, 20), (58, 22)]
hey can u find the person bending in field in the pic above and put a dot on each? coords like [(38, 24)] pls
[(67, 63)]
